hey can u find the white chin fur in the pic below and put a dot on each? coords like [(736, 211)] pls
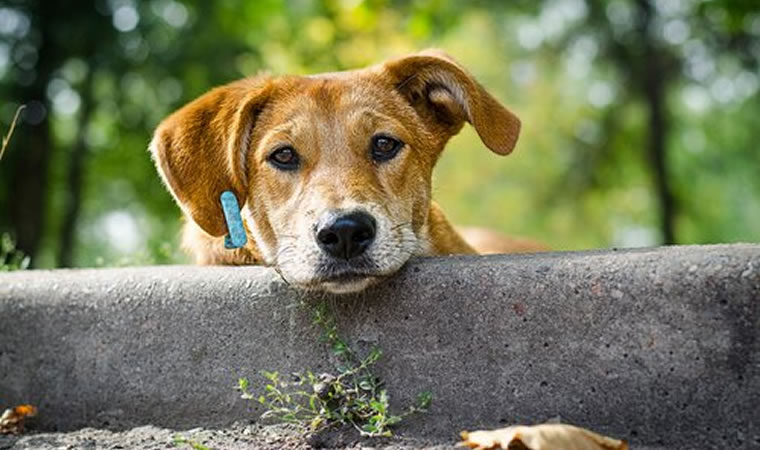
[(350, 287)]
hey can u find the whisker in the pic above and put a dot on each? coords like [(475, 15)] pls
[(395, 227), (282, 276)]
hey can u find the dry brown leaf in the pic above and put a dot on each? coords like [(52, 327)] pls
[(540, 437), (12, 420)]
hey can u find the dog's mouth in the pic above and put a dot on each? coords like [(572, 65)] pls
[(334, 275), (345, 281), (347, 286), (344, 277)]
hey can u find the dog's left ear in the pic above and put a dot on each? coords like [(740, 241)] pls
[(445, 95), (200, 149)]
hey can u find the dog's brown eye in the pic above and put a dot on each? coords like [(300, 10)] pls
[(284, 158), (385, 148)]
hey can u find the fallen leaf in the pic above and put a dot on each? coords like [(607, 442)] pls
[(12, 420), (540, 437)]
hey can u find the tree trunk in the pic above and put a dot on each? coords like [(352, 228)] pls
[(655, 73), (77, 163), (32, 148), (654, 92)]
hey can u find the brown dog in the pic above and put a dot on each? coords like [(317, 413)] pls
[(332, 171)]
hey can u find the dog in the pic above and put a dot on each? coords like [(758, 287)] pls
[(332, 171)]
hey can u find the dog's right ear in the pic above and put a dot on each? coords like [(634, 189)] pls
[(445, 95), (200, 150)]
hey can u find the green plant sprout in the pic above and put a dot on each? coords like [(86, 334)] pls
[(353, 396), (10, 258), (179, 440)]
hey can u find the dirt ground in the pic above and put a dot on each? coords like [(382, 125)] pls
[(237, 437)]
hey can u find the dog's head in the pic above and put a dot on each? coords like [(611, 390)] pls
[(334, 170)]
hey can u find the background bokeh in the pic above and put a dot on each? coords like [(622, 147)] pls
[(641, 117)]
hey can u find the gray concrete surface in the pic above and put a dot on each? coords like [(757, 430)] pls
[(237, 436), (659, 347)]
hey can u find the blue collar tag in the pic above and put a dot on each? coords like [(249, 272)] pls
[(236, 236)]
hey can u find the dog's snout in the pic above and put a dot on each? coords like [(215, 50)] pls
[(347, 235)]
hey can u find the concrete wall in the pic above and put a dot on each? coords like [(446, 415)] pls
[(659, 346)]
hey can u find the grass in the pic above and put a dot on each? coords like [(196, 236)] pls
[(10, 258), (7, 137), (181, 440), (353, 395)]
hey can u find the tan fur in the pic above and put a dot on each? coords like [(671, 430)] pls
[(222, 140), (490, 242)]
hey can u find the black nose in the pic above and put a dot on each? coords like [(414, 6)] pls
[(348, 235)]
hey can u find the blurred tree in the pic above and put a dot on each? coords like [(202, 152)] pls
[(36, 58), (652, 46), (594, 82), (46, 35), (97, 47), (644, 40)]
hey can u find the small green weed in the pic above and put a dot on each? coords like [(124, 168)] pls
[(352, 396), (10, 258), (181, 440)]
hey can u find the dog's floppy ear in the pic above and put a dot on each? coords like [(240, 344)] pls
[(445, 95), (200, 150)]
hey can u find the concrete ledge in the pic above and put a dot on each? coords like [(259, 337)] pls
[(657, 346)]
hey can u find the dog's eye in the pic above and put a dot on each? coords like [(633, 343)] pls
[(284, 158), (385, 148)]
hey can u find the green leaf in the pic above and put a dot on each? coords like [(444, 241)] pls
[(424, 399), (392, 420), (339, 348), (271, 376), (378, 406), (316, 422), (375, 354), (384, 396)]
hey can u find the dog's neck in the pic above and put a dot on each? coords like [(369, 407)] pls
[(444, 239)]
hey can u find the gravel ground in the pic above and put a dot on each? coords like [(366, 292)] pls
[(236, 437)]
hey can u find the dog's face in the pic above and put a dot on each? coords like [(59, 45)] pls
[(333, 170), (339, 182)]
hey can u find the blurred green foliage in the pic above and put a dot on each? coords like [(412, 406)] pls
[(10, 258), (578, 72)]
